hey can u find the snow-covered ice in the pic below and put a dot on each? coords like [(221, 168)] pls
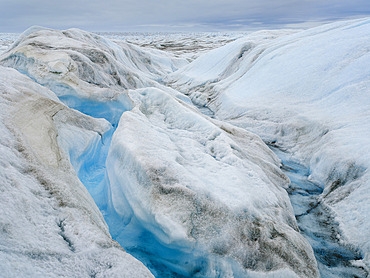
[(50, 225), (204, 188), (308, 93), (187, 194), (210, 191), (78, 63), (6, 40), (86, 71), (184, 45)]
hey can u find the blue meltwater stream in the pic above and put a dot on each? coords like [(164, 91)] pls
[(92, 172), (314, 220), (316, 223)]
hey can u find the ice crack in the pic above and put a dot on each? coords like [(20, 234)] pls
[(62, 233)]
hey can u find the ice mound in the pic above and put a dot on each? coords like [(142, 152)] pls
[(50, 226), (308, 93), (75, 62), (210, 191)]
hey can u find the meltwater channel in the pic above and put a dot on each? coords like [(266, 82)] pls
[(130, 234), (316, 223), (314, 219)]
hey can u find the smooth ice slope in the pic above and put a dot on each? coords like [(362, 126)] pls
[(307, 92), (50, 226), (208, 190)]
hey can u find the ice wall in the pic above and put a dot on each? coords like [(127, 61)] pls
[(50, 225)]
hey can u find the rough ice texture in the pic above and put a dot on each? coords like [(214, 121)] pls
[(89, 65), (6, 40), (183, 45), (306, 92), (50, 226), (205, 188)]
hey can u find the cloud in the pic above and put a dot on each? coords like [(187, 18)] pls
[(192, 15)]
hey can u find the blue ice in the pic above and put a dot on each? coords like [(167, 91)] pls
[(163, 261)]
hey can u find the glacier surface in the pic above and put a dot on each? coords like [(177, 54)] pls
[(50, 225), (186, 193), (204, 188), (307, 93), (210, 199)]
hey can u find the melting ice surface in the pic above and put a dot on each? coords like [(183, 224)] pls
[(314, 221), (316, 224), (91, 170), (90, 167), (334, 259)]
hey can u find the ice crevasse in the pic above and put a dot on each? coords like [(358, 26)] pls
[(50, 225)]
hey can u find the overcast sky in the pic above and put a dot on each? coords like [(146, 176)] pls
[(174, 15)]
